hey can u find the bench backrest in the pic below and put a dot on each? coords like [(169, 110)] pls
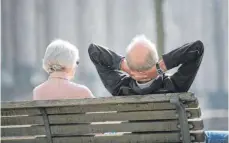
[(148, 118)]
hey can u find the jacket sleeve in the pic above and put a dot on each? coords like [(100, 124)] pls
[(107, 64), (189, 56)]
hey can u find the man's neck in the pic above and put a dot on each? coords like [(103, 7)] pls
[(144, 84)]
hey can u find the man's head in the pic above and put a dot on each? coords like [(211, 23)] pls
[(141, 54)]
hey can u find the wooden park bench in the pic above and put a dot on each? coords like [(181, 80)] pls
[(158, 118)]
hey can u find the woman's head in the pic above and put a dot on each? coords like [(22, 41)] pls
[(61, 56)]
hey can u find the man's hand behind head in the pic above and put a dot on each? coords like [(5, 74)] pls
[(138, 76), (124, 67), (143, 75), (152, 73)]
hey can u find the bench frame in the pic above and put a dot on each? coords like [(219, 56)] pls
[(47, 125), (185, 134)]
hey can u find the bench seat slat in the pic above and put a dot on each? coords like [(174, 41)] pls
[(115, 107), (197, 136), (102, 117), (23, 130), (133, 138), (193, 113), (196, 124), (122, 127), (98, 117), (119, 116), (20, 111), (25, 139), (126, 138), (22, 120), (104, 100), (94, 108)]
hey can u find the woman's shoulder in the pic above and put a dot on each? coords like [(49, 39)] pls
[(84, 90), (39, 87)]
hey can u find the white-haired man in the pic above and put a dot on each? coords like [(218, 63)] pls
[(145, 73)]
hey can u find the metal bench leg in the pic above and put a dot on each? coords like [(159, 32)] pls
[(183, 120)]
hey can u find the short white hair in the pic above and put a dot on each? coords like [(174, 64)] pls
[(151, 59), (60, 55)]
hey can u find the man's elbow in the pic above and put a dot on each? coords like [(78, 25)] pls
[(92, 49), (111, 90), (200, 47), (114, 92), (93, 52)]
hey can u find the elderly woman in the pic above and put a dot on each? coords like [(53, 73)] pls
[(60, 61)]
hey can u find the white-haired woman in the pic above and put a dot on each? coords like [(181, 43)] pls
[(60, 61)]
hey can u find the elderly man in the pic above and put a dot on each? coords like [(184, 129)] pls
[(145, 73), (141, 72)]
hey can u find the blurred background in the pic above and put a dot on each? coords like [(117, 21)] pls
[(28, 26)]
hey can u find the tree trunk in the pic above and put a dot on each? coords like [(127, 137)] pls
[(159, 25)]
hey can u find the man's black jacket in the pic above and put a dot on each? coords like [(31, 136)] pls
[(118, 83)]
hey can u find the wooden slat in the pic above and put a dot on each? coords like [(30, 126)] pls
[(122, 127), (104, 100), (98, 117), (193, 113), (26, 130), (196, 124), (20, 111), (25, 139), (122, 116), (127, 138), (95, 108), (109, 107), (197, 136), (22, 120), (132, 138), (115, 107), (119, 116)]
